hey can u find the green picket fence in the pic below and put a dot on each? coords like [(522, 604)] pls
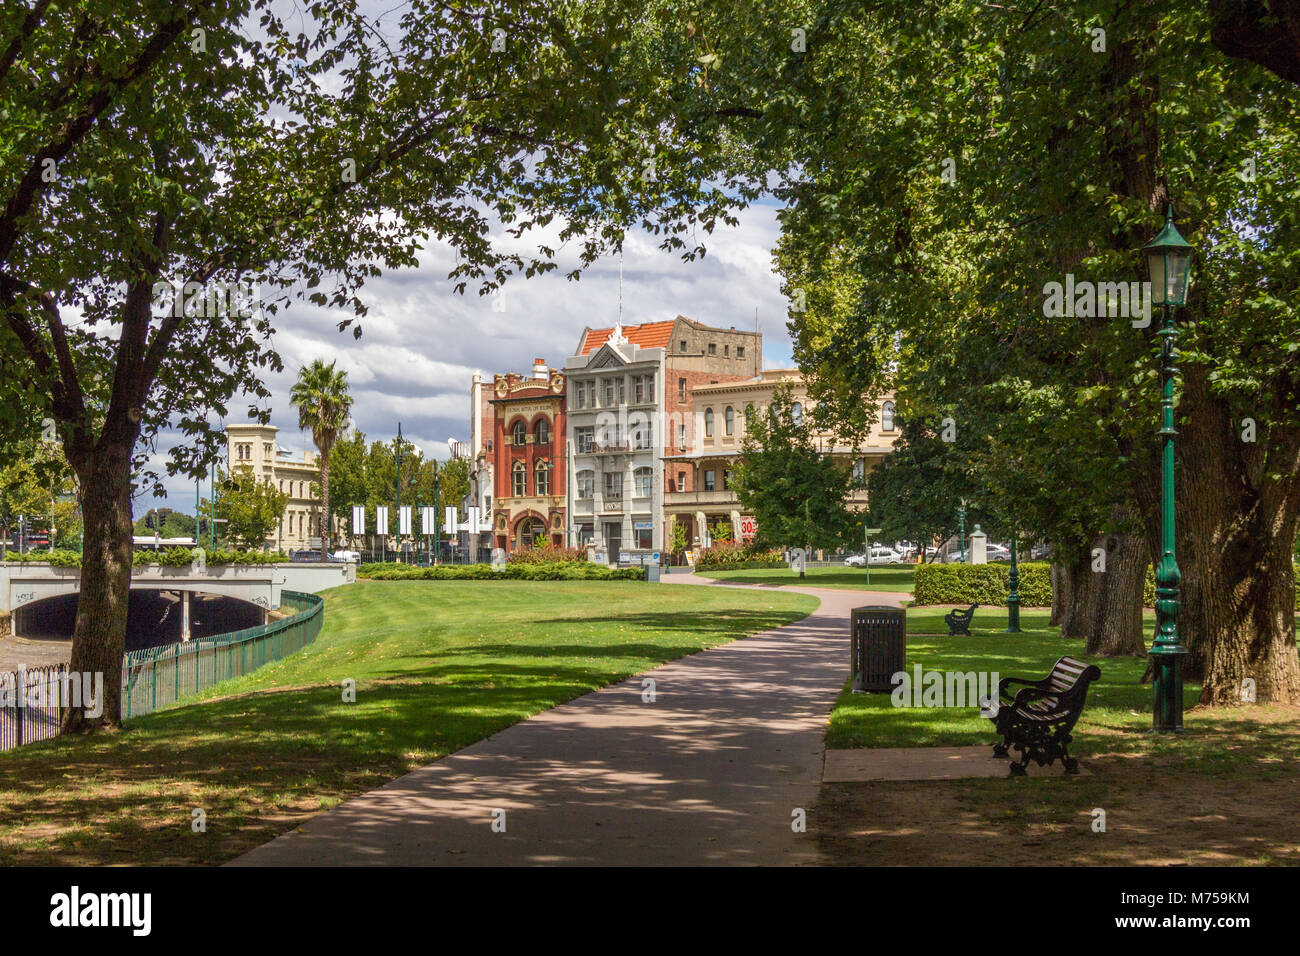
[(157, 676)]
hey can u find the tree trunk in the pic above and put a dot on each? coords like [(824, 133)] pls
[(1062, 582), (1077, 580), (324, 503), (1114, 613), (99, 635), (1239, 506)]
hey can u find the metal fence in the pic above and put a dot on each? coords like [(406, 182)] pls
[(29, 704), (158, 676)]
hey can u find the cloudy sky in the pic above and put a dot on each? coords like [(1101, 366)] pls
[(422, 341)]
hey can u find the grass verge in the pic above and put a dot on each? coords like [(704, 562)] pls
[(437, 665)]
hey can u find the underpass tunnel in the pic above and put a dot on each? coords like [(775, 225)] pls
[(153, 617)]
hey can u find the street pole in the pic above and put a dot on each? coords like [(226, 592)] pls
[(1169, 258), (212, 502), (961, 521), (198, 540), (437, 503), (1167, 650), (398, 442), (1013, 599)]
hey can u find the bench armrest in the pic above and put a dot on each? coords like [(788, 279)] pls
[(1005, 682)]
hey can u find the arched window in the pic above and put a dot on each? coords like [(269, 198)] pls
[(730, 418), (532, 533), (542, 432), (749, 415), (796, 414), (519, 476), (887, 417), (708, 423), (519, 433), (542, 478), (644, 481)]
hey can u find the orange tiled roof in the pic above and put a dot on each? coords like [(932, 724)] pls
[(651, 335)]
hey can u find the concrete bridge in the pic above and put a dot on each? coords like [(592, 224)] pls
[(24, 585)]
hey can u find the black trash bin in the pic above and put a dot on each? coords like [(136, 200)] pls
[(879, 639)]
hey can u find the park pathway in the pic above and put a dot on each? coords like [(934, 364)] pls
[(711, 772)]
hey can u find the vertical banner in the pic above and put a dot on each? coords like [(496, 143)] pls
[(474, 518), (381, 520), (426, 520), (404, 519), (450, 522), (358, 519)]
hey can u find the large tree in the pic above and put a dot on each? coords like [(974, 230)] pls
[(324, 405), (797, 494), (176, 171), (942, 163)]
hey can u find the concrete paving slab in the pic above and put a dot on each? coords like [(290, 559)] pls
[(924, 763)]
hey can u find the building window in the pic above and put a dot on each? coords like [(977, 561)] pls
[(586, 483), (726, 351), (643, 389), (584, 436), (519, 480), (609, 392), (585, 534), (860, 472), (708, 423), (713, 348), (796, 414), (681, 435), (681, 346), (640, 432), (730, 420), (643, 479), (542, 479), (543, 432), (643, 538), (518, 433), (579, 397), (709, 480), (740, 351), (681, 481), (726, 478), (614, 485), (681, 390), (887, 417)]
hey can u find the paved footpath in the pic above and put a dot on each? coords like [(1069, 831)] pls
[(709, 773)]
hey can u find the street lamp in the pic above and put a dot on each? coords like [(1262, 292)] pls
[(961, 533), (1013, 598), (1169, 258)]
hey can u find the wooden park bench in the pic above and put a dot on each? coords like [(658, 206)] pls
[(959, 621), (1038, 719)]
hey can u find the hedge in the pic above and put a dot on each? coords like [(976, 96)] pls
[(735, 557), (556, 571), (168, 557), (986, 584)]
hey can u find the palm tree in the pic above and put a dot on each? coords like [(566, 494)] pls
[(324, 405)]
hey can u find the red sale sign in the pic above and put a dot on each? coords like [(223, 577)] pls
[(748, 527)]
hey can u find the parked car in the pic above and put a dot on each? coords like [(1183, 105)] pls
[(885, 556), (855, 561), (998, 552), (354, 556)]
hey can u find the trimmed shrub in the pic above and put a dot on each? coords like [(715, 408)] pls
[(735, 556), (554, 571), (986, 584), (550, 554)]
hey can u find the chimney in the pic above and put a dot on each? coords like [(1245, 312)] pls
[(539, 370)]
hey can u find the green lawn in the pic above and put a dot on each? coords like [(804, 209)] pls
[(1223, 793), (887, 578), (437, 664)]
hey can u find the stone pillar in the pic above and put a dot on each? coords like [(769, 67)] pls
[(701, 527), (979, 553), (735, 525)]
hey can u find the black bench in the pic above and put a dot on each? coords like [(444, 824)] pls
[(1038, 719), (959, 621)]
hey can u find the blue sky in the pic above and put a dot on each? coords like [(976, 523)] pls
[(422, 341)]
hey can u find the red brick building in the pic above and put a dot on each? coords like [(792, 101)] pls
[(529, 460)]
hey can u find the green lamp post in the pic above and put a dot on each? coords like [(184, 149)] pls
[(961, 533), (397, 444), (1013, 597), (1169, 258)]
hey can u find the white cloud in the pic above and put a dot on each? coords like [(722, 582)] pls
[(422, 341)]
